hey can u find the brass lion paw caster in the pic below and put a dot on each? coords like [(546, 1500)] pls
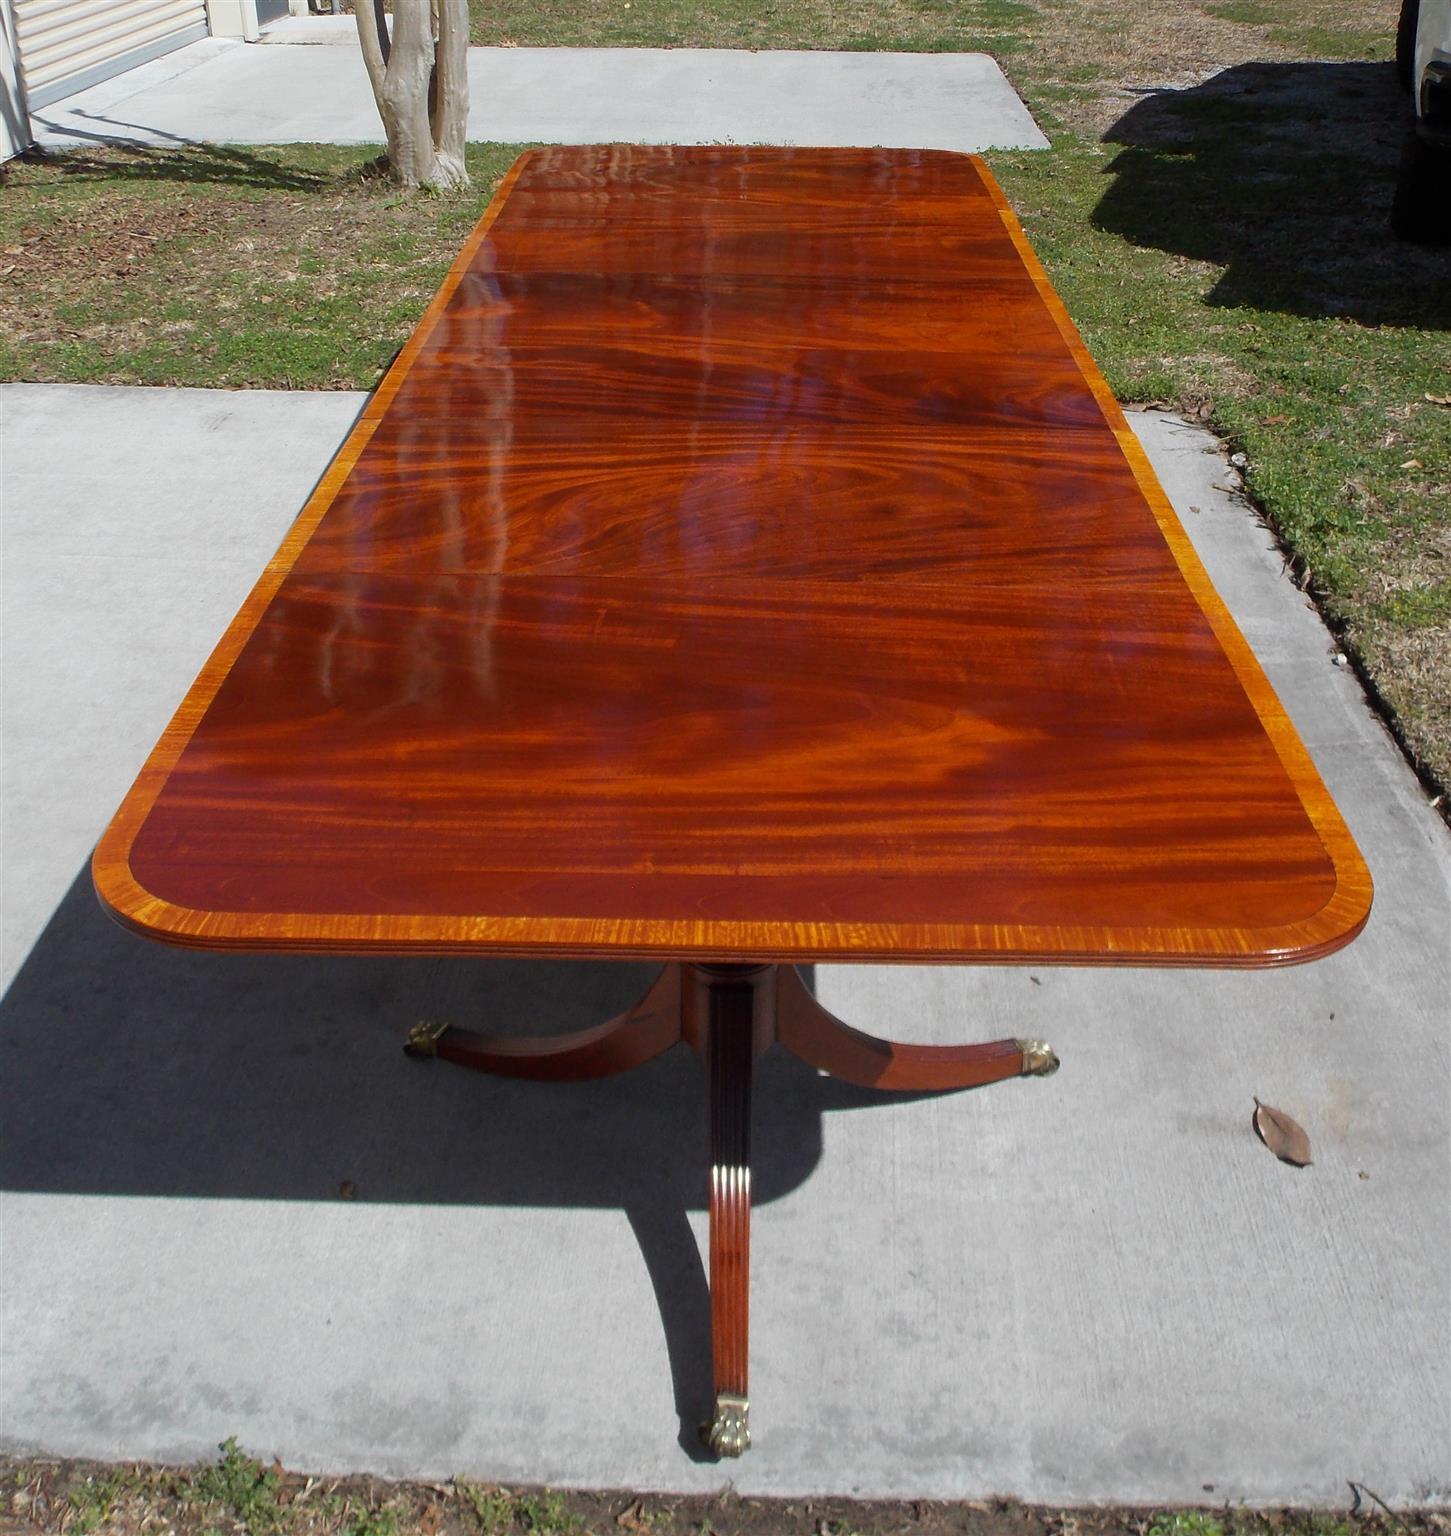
[(423, 1038), (1039, 1058), (730, 1433)]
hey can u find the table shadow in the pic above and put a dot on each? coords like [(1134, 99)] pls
[(133, 1068)]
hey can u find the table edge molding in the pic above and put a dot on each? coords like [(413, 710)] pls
[(1335, 924)]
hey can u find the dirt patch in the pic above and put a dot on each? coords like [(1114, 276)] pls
[(1104, 55), (239, 1495)]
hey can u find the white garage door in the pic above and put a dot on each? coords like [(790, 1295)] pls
[(66, 45)]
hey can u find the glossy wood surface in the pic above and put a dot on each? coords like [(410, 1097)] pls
[(684, 1004), (745, 561), (806, 1029), (618, 1045)]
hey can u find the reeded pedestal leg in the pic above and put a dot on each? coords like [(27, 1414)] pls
[(728, 1019), (731, 1014)]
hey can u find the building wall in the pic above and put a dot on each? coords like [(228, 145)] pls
[(66, 45), (14, 119)]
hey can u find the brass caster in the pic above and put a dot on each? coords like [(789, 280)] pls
[(730, 1434), (1039, 1058), (422, 1041)]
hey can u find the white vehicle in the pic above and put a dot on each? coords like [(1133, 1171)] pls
[(1422, 206)]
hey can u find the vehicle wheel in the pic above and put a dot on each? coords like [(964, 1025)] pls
[(1421, 209), (1406, 41)]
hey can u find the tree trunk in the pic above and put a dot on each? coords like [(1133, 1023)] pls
[(449, 114), (420, 82)]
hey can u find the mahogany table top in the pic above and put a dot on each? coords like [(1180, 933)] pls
[(744, 560)]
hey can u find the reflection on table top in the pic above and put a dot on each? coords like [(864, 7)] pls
[(743, 560)]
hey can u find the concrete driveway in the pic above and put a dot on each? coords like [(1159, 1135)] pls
[(218, 91), (1094, 1287)]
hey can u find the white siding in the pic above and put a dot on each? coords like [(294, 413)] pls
[(14, 119), (66, 45)]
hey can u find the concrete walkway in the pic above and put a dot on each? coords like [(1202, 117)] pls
[(1096, 1287), (217, 91)]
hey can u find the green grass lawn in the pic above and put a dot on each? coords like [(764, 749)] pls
[(917, 25), (1222, 245)]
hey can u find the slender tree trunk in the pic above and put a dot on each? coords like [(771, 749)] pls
[(420, 82), (449, 108)]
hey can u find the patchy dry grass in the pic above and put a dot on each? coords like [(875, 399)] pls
[(241, 1496), (297, 267), (1088, 61), (994, 26)]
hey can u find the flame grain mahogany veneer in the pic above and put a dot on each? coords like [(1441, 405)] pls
[(743, 563)]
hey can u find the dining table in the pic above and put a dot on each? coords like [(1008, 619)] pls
[(742, 566)]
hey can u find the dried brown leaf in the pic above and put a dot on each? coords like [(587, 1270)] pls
[(1284, 1137)]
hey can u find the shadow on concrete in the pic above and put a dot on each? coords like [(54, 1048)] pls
[(114, 158), (132, 1068), (1283, 175)]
